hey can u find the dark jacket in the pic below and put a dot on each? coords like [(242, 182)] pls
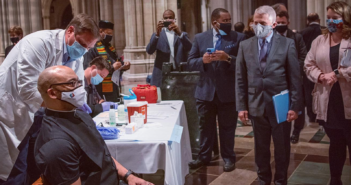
[(93, 98), (8, 49), (182, 46), (255, 88), (300, 47), (310, 33), (69, 146), (218, 76)]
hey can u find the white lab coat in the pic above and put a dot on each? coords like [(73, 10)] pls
[(19, 96)]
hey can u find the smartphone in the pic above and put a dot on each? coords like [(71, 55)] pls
[(210, 50), (167, 23)]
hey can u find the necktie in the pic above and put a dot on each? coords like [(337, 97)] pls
[(263, 54), (219, 42)]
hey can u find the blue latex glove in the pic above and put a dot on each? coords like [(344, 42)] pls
[(106, 105), (86, 108)]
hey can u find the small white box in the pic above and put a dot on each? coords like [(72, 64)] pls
[(130, 128)]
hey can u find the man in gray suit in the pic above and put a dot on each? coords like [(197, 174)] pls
[(171, 45), (266, 65)]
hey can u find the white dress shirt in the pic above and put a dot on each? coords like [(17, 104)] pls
[(170, 38)]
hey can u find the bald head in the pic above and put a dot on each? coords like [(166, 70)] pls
[(54, 75)]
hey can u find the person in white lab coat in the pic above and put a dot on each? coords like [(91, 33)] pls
[(19, 96)]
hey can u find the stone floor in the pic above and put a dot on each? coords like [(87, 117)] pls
[(308, 160)]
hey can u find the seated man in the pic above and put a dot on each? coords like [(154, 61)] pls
[(69, 149), (96, 72)]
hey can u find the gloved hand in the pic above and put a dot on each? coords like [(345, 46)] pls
[(106, 106), (86, 108)]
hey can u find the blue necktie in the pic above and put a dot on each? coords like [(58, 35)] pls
[(219, 42), (263, 54)]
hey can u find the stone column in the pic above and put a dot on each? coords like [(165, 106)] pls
[(35, 15), (298, 14), (23, 13), (90, 7), (46, 4), (119, 36), (240, 10)]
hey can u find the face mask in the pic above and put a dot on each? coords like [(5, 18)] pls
[(14, 40), (281, 28), (107, 38), (97, 79), (76, 50), (77, 97), (225, 28), (334, 24), (261, 31)]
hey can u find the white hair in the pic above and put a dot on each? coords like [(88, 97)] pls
[(272, 16)]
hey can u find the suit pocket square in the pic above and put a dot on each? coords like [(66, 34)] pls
[(230, 46)]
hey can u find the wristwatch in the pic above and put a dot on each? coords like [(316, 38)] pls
[(229, 60), (130, 172), (336, 71)]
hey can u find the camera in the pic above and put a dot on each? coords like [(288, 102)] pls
[(167, 23)]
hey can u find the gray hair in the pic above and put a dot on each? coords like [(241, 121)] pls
[(272, 16)]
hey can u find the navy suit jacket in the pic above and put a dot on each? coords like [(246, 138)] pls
[(218, 76), (182, 46)]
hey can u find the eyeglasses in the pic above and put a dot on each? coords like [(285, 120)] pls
[(70, 84)]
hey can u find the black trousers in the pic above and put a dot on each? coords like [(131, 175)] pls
[(227, 119), (308, 88), (264, 128), (340, 140), (299, 123)]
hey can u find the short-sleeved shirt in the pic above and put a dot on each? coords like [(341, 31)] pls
[(69, 147)]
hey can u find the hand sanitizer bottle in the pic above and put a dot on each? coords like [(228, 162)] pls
[(112, 115)]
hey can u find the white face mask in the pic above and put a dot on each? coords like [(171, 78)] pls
[(261, 31), (77, 97)]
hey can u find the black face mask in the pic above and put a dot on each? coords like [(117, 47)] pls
[(226, 27), (107, 38), (281, 28), (14, 40)]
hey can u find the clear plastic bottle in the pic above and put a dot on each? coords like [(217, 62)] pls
[(112, 115), (121, 113)]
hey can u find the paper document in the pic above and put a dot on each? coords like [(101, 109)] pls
[(177, 133), (346, 58), (281, 105)]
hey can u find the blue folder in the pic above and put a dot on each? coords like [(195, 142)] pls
[(281, 103)]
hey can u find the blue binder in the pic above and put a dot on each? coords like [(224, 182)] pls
[(281, 105)]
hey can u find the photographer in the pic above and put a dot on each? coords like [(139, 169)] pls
[(171, 45)]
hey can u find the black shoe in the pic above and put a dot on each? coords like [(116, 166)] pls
[(228, 166), (295, 137), (196, 164)]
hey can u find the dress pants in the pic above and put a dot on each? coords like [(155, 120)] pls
[(340, 140), (227, 119), (264, 128)]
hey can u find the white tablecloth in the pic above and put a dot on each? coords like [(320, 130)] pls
[(149, 155)]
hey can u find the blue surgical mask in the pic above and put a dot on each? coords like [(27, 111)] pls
[(76, 50), (97, 79)]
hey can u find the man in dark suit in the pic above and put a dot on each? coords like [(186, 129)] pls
[(282, 29), (215, 90), (267, 64), (171, 45), (309, 34)]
